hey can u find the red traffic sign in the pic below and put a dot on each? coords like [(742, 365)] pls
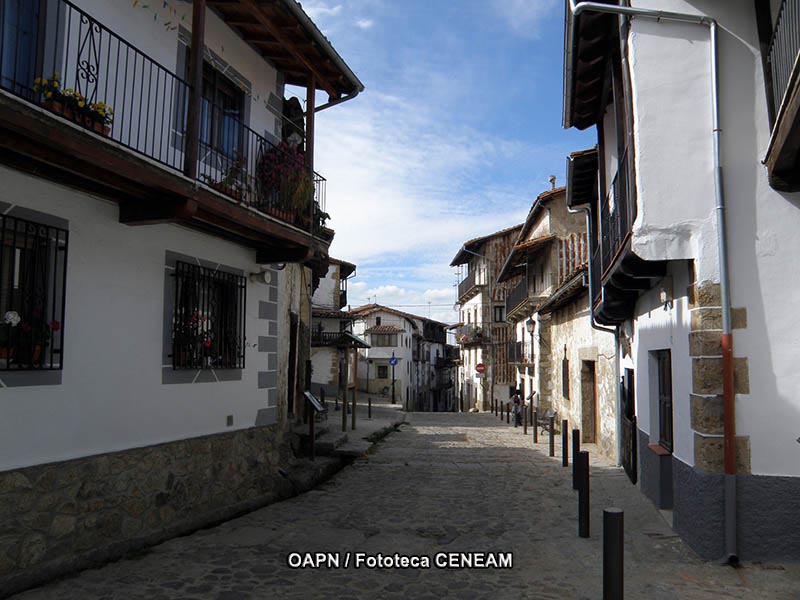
[(480, 368)]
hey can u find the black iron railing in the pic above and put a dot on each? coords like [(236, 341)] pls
[(519, 352), (784, 48), (617, 214), (517, 296), (326, 338), (208, 320), (469, 282), (33, 261), (56, 55)]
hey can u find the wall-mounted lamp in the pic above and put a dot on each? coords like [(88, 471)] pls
[(530, 325)]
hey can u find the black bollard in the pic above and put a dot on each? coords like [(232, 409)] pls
[(576, 448), (535, 424), (583, 495), (564, 444), (552, 436), (369, 407), (508, 413), (613, 553), (524, 421)]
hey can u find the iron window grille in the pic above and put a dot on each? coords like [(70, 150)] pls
[(33, 261), (208, 330)]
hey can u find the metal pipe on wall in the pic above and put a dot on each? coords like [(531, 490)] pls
[(729, 416)]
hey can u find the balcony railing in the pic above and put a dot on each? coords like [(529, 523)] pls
[(325, 338), (520, 352), (55, 55), (517, 296), (784, 47), (617, 214), (469, 282), (469, 334)]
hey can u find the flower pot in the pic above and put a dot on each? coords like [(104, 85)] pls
[(101, 128), (54, 106)]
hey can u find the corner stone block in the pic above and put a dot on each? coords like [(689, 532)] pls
[(739, 318), (707, 414), (705, 294), (705, 343), (707, 375), (708, 454), (706, 318)]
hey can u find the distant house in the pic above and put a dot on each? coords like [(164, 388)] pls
[(483, 333), (161, 225), (556, 351), (333, 344), (422, 376), (692, 200)]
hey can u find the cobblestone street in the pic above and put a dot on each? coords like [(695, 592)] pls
[(444, 483)]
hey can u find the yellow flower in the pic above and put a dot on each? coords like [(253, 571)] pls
[(49, 95), (45, 82), (38, 80), (56, 75), (81, 103), (55, 84)]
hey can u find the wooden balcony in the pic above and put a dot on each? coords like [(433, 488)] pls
[(84, 107), (783, 69)]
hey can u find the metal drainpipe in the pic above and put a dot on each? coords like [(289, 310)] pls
[(729, 415)]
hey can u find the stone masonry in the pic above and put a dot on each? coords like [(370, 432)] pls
[(62, 516), (706, 399)]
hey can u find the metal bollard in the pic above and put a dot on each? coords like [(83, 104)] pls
[(524, 421), (583, 495), (369, 407), (613, 553), (337, 402), (535, 427), (564, 443), (508, 413), (576, 448), (552, 436), (344, 412)]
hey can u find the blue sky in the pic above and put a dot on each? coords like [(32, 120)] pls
[(455, 135)]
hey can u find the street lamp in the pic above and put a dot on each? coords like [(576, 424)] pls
[(490, 321)]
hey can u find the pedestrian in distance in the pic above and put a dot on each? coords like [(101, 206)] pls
[(517, 409)]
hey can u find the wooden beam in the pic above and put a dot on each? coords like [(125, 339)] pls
[(160, 210), (269, 255), (195, 89), (279, 35)]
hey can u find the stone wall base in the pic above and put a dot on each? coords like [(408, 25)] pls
[(59, 517), (768, 528)]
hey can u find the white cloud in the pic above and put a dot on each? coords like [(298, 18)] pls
[(524, 17), (365, 23), (318, 10)]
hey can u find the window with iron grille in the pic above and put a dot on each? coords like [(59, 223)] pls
[(33, 261), (208, 319), (383, 372), (665, 431)]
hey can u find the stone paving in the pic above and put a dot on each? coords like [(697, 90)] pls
[(444, 483)]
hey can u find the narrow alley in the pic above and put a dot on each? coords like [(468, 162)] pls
[(445, 482)]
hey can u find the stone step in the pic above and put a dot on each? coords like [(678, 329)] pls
[(353, 449), (320, 429), (327, 443)]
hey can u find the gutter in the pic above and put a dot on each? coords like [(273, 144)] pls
[(323, 42), (729, 415)]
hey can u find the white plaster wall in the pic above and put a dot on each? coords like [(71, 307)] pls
[(670, 79), (327, 293), (673, 137), (657, 329), (111, 396), (138, 27)]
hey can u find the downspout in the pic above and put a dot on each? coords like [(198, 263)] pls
[(614, 331), (729, 416)]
